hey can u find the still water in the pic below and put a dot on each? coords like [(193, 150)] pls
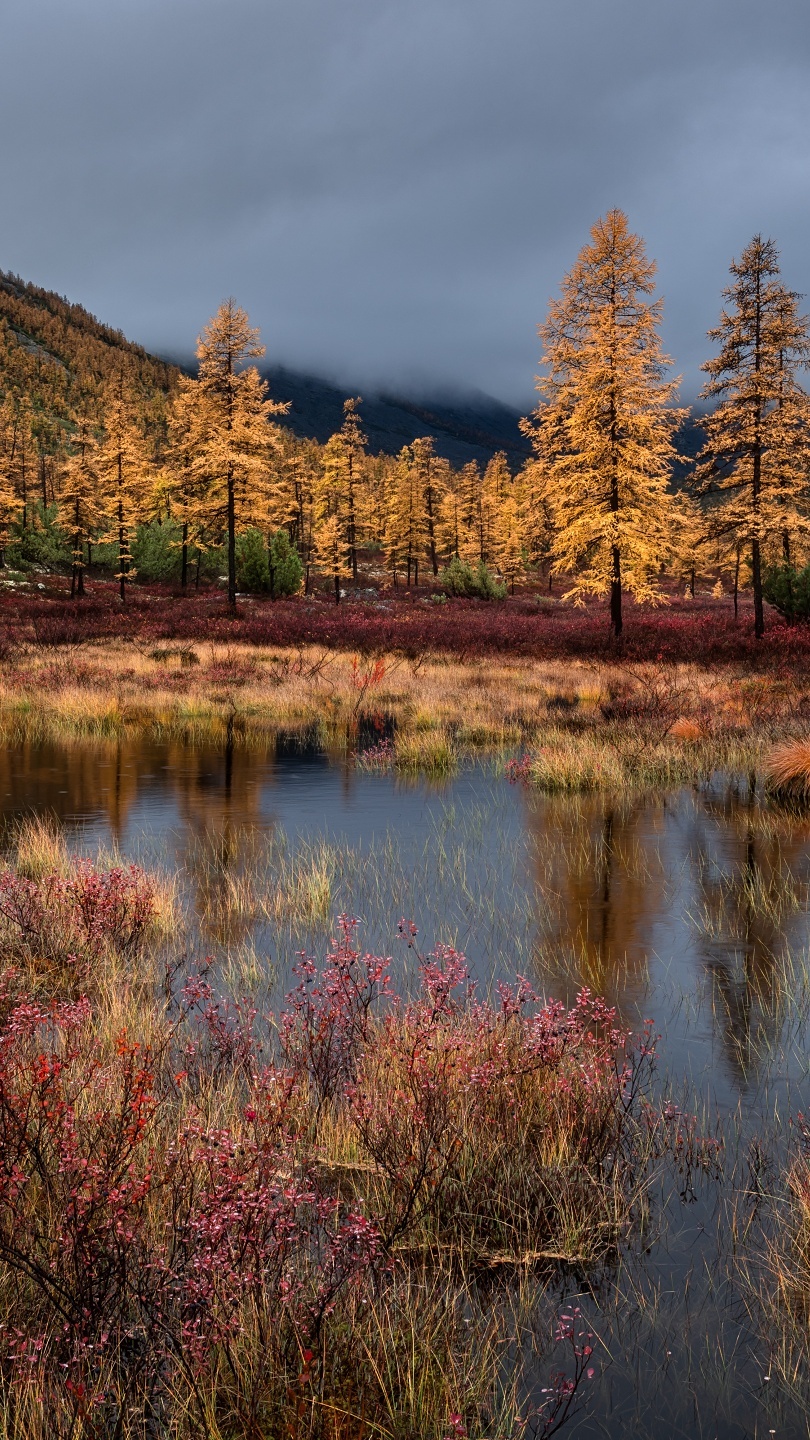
[(689, 907)]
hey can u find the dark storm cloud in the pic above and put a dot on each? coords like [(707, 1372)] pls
[(393, 188)]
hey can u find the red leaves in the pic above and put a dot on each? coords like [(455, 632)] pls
[(520, 625), (75, 918)]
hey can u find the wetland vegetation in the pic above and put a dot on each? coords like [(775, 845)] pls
[(239, 1182)]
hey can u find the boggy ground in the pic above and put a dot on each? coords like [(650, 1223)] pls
[(573, 723)]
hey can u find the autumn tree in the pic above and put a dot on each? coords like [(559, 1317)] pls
[(18, 453), (507, 542), (11, 504), (753, 469), (406, 527), (603, 437), (496, 486), (82, 509), (232, 433), (124, 468), (331, 529)]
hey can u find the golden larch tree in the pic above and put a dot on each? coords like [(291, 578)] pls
[(233, 435), (603, 437), (753, 470), (495, 487), (332, 519), (82, 508), (124, 468)]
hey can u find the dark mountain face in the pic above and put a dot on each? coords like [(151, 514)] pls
[(467, 428)]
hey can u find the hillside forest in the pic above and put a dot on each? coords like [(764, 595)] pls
[(110, 457)]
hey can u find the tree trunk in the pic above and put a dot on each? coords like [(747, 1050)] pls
[(43, 475), (789, 568), (123, 563), (756, 569), (184, 557), (756, 480), (616, 593), (337, 588), (352, 527), (736, 583), (231, 539)]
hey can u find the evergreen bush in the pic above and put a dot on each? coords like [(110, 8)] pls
[(460, 578), (788, 590)]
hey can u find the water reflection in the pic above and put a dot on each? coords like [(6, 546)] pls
[(599, 871), (643, 899)]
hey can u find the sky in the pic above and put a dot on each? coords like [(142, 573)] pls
[(394, 189)]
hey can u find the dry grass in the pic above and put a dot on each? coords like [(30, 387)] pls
[(787, 768), (584, 724)]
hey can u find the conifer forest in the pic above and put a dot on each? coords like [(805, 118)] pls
[(405, 855)]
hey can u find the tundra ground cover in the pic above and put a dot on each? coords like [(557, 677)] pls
[(529, 624), (204, 1229)]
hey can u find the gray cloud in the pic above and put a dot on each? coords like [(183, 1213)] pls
[(394, 188)]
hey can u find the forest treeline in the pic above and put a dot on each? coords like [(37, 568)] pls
[(109, 455)]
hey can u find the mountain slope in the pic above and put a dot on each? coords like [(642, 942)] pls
[(60, 356), (466, 428)]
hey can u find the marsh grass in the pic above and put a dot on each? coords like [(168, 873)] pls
[(586, 725), (38, 847)]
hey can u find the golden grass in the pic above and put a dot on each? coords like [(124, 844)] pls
[(441, 709), (787, 768)]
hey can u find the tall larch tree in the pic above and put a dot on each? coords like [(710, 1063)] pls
[(332, 551), (353, 453), (82, 509), (11, 505), (753, 469), (182, 480), (603, 437), (431, 483), (496, 486), (508, 553), (233, 431), (124, 467)]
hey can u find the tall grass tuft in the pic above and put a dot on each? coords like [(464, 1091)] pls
[(787, 768)]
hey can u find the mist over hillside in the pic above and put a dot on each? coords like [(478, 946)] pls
[(464, 427)]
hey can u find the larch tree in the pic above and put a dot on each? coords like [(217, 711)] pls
[(181, 484), (431, 484), (537, 530), (507, 537), (496, 486), (332, 524), (124, 467), (233, 433), (352, 449), (18, 452), (406, 526), (11, 505), (603, 437), (753, 469), (82, 509)]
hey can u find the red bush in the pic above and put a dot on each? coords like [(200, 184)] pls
[(703, 630)]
